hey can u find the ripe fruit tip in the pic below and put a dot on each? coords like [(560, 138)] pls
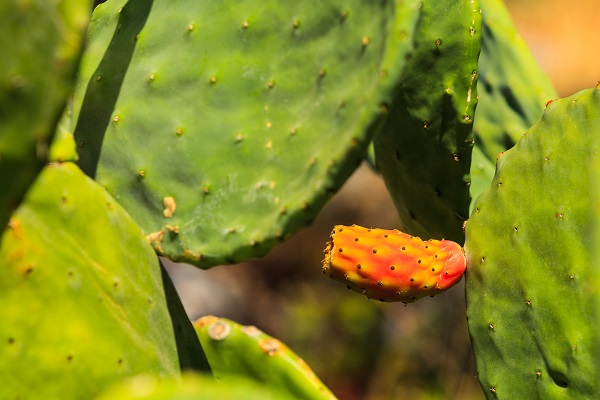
[(455, 265)]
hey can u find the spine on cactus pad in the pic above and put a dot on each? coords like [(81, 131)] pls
[(390, 265)]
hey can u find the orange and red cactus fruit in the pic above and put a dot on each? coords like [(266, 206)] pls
[(390, 265)]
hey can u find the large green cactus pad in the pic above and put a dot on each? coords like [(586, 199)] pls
[(233, 349), (424, 148), (81, 300), (222, 127), (191, 387), (512, 87), (533, 318), (41, 42)]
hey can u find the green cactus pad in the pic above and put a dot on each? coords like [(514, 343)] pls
[(190, 387), (424, 148), (233, 349), (512, 87), (81, 298), (41, 44), (223, 127), (533, 318), (482, 173), (512, 91)]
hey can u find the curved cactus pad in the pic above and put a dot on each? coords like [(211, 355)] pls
[(390, 265), (190, 387), (81, 300), (223, 127), (423, 149), (512, 87), (236, 350), (531, 308), (512, 91), (40, 47)]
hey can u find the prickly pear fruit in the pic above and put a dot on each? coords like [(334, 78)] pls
[(390, 265)]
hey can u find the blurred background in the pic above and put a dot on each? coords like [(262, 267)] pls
[(366, 349)]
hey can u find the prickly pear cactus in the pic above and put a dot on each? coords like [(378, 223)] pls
[(233, 349), (424, 148), (190, 387), (41, 44), (81, 298), (512, 87), (531, 305), (253, 113), (390, 265)]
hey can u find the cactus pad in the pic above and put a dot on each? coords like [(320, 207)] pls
[(424, 148), (190, 387), (233, 349), (252, 113), (512, 91), (41, 44), (81, 298), (390, 265), (531, 308), (512, 87)]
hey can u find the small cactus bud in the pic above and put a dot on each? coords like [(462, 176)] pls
[(389, 265)]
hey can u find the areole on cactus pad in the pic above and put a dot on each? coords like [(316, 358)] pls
[(390, 265)]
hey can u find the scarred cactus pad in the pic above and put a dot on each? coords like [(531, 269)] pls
[(250, 117), (234, 351), (390, 265)]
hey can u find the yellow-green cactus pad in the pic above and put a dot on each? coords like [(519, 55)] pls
[(191, 387), (81, 297)]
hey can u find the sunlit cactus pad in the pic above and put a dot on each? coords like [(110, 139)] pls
[(223, 127), (531, 303), (190, 387), (82, 302)]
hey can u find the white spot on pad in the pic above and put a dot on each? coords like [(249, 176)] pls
[(251, 331), (219, 330)]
